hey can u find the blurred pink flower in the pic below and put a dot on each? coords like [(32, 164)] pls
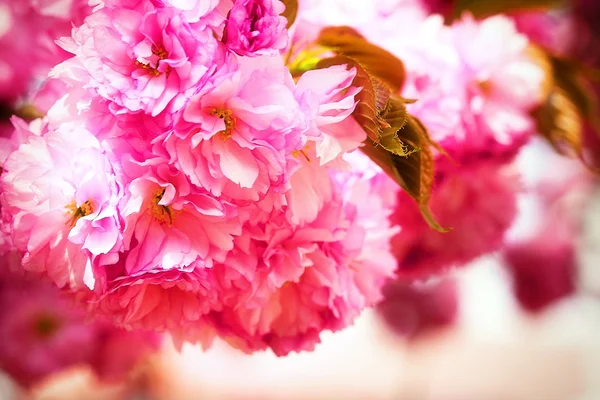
[(542, 259), (28, 29), (41, 334), (475, 87), (255, 27), (412, 310)]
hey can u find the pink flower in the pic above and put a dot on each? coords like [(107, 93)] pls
[(255, 27), (194, 10), (310, 278), (141, 58), (236, 139), (41, 334), (172, 300), (62, 195), (478, 203), (169, 224)]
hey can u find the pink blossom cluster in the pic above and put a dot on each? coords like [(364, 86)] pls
[(41, 333), (185, 182)]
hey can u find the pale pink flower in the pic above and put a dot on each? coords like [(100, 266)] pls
[(475, 86), (41, 333), (142, 58), (62, 196), (255, 27), (477, 203)]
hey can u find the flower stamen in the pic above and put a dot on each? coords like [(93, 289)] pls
[(229, 120), (161, 55), (163, 214), (83, 210)]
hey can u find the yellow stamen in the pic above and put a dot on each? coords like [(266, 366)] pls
[(153, 70), (83, 210), (227, 117), (163, 214)]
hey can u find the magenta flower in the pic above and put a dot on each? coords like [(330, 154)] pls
[(255, 28), (169, 224), (413, 310), (141, 58)]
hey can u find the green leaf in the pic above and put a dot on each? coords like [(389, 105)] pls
[(291, 11), (379, 63)]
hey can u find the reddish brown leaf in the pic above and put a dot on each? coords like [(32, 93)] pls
[(379, 63), (487, 8), (291, 11)]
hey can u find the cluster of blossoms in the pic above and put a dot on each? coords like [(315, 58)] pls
[(187, 183)]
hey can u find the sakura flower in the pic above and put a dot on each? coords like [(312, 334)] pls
[(170, 224), (62, 196), (194, 10), (477, 203), (255, 27), (171, 300), (310, 278), (142, 58), (41, 334), (236, 138)]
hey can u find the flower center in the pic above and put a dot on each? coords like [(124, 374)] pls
[(163, 214), (159, 54), (227, 117), (77, 212)]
